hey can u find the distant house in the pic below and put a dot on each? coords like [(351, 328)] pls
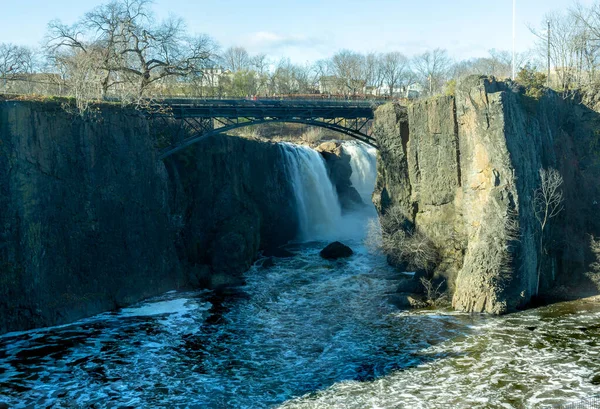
[(411, 91), (385, 90), (329, 84), (414, 91), (212, 76)]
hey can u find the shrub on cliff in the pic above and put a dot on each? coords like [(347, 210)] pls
[(594, 273), (533, 81), (403, 244)]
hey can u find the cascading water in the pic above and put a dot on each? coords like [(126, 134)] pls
[(364, 168), (319, 210)]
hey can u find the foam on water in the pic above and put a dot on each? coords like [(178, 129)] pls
[(307, 333), (532, 359), (177, 306)]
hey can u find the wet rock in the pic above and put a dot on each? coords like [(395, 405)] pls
[(408, 300), (410, 285), (336, 250), (595, 379), (340, 170)]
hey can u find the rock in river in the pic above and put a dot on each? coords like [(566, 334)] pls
[(336, 250)]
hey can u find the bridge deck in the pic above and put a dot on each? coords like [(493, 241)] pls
[(201, 108)]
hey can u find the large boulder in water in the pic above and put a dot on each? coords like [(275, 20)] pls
[(340, 171), (336, 250)]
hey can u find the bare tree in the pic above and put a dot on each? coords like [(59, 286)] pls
[(432, 68), (260, 63), (547, 204), (289, 78), (348, 66), (401, 243), (562, 46), (395, 68), (236, 59), (588, 40), (129, 47), (374, 71), (14, 62)]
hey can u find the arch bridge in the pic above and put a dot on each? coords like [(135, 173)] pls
[(204, 117)]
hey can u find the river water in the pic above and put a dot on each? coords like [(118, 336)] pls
[(306, 333)]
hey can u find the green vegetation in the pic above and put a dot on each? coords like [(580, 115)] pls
[(450, 88), (533, 81)]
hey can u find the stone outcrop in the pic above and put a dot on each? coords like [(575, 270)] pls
[(91, 219), (340, 170), (463, 170)]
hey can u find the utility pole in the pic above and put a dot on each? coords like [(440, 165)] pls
[(514, 37), (548, 79)]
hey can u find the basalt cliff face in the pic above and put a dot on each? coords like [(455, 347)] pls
[(232, 197), (92, 220), (84, 215), (464, 170)]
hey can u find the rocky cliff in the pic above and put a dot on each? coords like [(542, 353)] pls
[(84, 219), (232, 197), (92, 220), (464, 169)]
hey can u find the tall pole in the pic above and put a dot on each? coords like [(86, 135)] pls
[(548, 78), (514, 37)]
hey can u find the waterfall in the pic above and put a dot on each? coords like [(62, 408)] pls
[(364, 168), (318, 207)]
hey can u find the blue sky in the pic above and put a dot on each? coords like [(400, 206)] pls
[(306, 30)]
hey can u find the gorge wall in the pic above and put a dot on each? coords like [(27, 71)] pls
[(463, 169), (91, 219), (232, 197)]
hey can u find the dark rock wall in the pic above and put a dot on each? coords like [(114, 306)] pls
[(84, 217), (464, 170), (92, 220), (234, 198)]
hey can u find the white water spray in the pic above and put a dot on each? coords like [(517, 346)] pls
[(319, 209), (364, 168)]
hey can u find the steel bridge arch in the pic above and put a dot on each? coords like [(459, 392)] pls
[(356, 132)]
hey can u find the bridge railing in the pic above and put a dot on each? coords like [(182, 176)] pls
[(272, 102)]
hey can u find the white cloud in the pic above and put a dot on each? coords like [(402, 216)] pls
[(296, 47)]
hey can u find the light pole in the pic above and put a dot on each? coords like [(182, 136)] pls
[(514, 37), (548, 75)]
